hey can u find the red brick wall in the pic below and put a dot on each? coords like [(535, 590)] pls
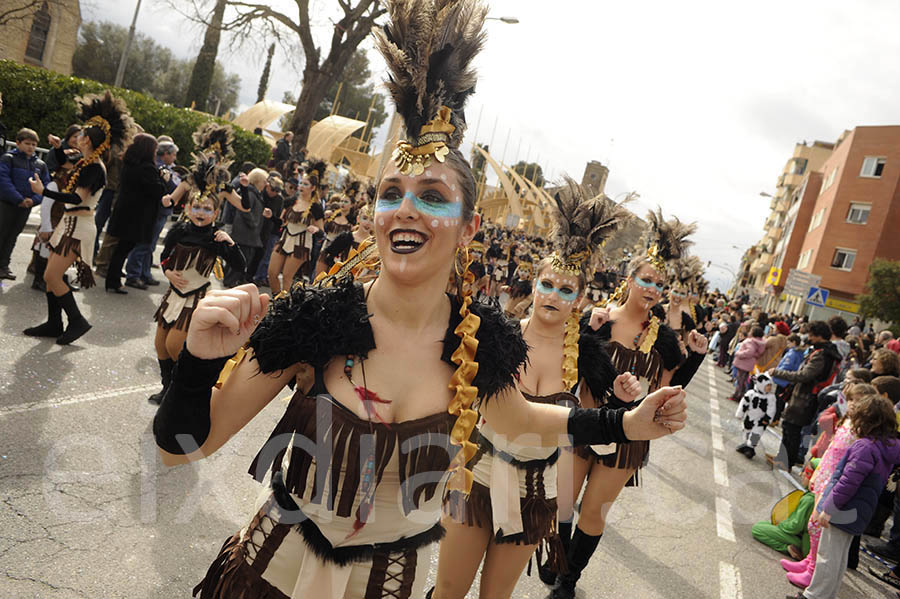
[(801, 224)]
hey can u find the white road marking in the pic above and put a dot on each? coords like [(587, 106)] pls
[(31, 406), (729, 581), (720, 470), (724, 526)]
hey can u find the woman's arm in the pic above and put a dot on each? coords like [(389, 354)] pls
[(221, 324), (509, 413)]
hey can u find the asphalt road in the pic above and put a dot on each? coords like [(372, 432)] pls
[(88, 511)]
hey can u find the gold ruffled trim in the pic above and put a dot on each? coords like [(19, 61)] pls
[(649, 336), (694, 314), (465, 393), (570, 352)]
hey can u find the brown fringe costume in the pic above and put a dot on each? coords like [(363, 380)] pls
[(333, 229), (294, 240), (193, 251), (76, 231), (322, 459), (514, 494), (648, 368)]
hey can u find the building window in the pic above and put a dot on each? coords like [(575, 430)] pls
[(829, 180), (800, 166), (872, 167), (37, 39), (804, 259), (859, 213), (816, 220), (843, 259)]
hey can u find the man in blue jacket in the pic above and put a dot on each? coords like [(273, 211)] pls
[(16, 197)]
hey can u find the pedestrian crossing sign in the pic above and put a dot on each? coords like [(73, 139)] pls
[(817, 296)]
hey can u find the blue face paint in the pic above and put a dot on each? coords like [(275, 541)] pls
[(648, 284), (546, 287), (436, 209)]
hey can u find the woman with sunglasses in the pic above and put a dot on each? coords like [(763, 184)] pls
[(642, 344), (190, 251)]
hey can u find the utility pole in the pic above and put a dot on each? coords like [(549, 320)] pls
[(123, 62)]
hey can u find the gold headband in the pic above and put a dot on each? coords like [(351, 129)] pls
[(431, 144), (655, 259), (571, 265)]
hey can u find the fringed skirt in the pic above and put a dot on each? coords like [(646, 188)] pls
[(272, 559), (295, 243), (75, 233), (514, 499), (176, 310)]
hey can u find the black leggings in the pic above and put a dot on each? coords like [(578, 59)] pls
[(791, 438), (114, 270)]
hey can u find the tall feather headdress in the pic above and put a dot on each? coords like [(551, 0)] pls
[(666, 240), (209, 175), (109, 114), (583, 222), (429, 46), (211, 137)]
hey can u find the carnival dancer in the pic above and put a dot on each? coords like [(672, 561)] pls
[(639, 343), (340, 221), (512, 507), (520, 289), (343, 244), (302, 220), (107, 124), (374, 433), (216, 142), (677, 310), (190, 251)]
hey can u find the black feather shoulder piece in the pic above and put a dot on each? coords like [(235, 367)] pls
[(311, 325), (501, 349), (429, 46), (668, 347), (594, 365)]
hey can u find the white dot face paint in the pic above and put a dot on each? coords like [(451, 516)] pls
[(380, 222), (458, 199), (443, 177), (453, 187), (427, 173), (435, 223), (402, 263), (446, 222)]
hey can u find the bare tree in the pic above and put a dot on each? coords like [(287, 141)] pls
[(318, 73), (16, 11)]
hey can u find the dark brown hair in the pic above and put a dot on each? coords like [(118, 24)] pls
[(890, 362), (861, 374), (141, 150), (889, 385), (873, 417), (26, 134)]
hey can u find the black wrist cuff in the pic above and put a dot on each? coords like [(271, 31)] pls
[(597, 426), (687, 370), (185, 407)]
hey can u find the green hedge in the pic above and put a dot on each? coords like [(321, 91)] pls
[(42, 100)]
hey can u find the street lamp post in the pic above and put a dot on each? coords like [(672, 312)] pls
[(120, 73)]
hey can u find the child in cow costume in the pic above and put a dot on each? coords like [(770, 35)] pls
[(757, 408)]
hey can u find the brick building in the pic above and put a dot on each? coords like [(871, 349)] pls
[(844, 218), (41, 33)]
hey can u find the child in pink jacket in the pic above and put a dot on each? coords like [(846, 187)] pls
[(745, 358)]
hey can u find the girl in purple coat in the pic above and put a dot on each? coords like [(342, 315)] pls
[(850, 497)]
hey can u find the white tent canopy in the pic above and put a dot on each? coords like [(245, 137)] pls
[(262, 114)]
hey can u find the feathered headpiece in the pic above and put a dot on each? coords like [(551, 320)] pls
[(208, 175), (316, 168), (583, 223), (666, 240), (109, 114), (213, 138), (351, 189), (428, 46), (687, 270)]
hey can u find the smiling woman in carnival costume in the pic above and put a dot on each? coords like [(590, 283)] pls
[(387, 375), (639, 343), (512, 506)]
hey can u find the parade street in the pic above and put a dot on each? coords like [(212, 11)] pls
[(89, 511)]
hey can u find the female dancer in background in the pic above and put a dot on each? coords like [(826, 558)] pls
[(107, 124), (512, 506), (641, 344)]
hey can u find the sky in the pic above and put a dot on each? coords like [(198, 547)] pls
[(696, 105)]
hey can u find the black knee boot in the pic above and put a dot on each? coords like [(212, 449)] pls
[(54, 325), (581, 549), (78, 326), (40, 265), (165, 373)]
